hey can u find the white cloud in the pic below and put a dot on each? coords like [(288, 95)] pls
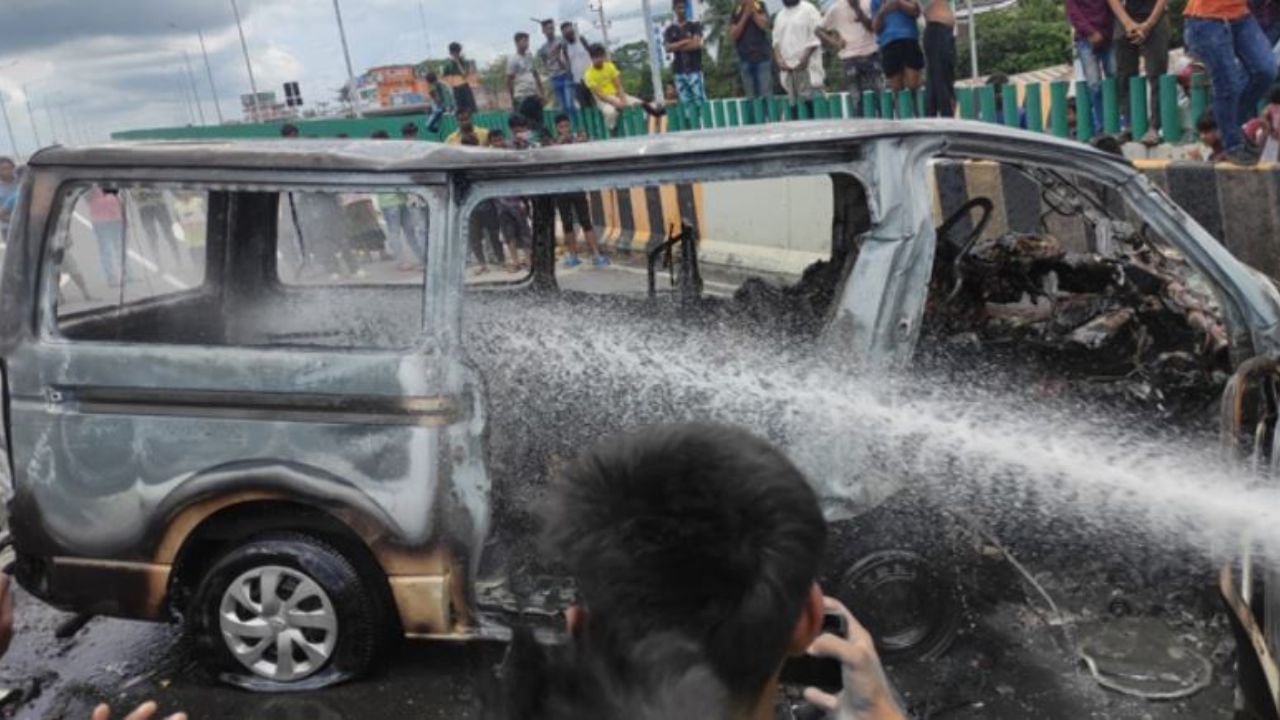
[(115, 66)]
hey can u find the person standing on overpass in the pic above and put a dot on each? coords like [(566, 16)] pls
[(1143, 33), (1226, 37), (457, 71), (524, 85), (847, 28)]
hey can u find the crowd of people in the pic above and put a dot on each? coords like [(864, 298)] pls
[(903, 44), (1236, 43)]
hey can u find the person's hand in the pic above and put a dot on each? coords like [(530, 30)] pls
[(1096, 40), (866, 694), (6, 614), (145, 711)]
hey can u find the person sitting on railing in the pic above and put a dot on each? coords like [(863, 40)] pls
[(605, 81)]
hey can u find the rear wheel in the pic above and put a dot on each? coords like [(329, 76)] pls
[(288, 611)]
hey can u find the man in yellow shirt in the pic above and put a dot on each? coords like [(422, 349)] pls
[(605, 82), (467, 127)]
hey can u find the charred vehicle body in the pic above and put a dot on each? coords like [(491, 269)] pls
[(252, 422)]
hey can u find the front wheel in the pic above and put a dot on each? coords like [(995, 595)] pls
[(288, 612)]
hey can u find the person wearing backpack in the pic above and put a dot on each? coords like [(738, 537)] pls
[(847, 28)]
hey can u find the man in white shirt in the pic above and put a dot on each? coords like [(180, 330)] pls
[(797, 51), (847, 27), (579, 52)]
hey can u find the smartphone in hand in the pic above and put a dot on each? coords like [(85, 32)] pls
[(819, 672)]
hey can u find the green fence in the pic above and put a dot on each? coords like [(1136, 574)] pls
[(1037, 108)]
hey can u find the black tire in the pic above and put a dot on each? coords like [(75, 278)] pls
[(895, 570), (361, 610)]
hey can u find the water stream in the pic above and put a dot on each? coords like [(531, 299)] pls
[(575, 371)]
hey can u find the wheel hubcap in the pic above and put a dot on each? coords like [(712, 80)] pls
[(278, 623)]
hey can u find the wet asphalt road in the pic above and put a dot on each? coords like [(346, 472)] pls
[(125, 663), (1007, 669)]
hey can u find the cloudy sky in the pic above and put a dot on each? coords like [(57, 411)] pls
[(88, 68)]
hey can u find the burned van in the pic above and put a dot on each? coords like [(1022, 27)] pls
[(306, 396)]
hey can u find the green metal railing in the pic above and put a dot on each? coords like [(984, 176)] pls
[(1013, 106)]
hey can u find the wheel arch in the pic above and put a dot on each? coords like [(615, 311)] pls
[(205, 531)]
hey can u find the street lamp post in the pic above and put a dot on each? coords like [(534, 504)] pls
[(655, 53), (26, 99), (48, 114), (346, 54), (191, 77), (253, 84), (208, 69), (8, 126), (973, 41)]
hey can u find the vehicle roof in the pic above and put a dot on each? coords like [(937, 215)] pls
[(410, 156)]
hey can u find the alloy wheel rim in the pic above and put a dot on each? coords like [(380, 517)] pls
[(278, 623)]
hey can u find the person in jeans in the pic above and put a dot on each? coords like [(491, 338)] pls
[(456, 71), (939, 59), (578, 50), (749, 27), (683, 39), (899, 38), (605, 82), (1228, 40), (1142, 32), (798, 52), (554, 59), (108, 228), (524, 85), (1094, 26), (847, 27), (442, 102)]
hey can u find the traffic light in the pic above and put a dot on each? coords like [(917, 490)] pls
[(292, 94)]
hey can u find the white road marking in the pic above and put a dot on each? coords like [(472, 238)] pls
[(139, 258)]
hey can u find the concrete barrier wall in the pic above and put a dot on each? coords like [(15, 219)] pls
[(783, 225), (779, 225)]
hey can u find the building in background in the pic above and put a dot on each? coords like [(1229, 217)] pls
[(266, 109), (389, 87)]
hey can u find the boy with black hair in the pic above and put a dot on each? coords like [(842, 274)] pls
[(683, 39), (578, 50), (457, 71), (442, 102), (1211, 138), (701, 534), (524, 85), (553, 56), (605, 82)]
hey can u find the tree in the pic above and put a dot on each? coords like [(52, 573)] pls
[(494, 78), (1033, 35), (632, 60)]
